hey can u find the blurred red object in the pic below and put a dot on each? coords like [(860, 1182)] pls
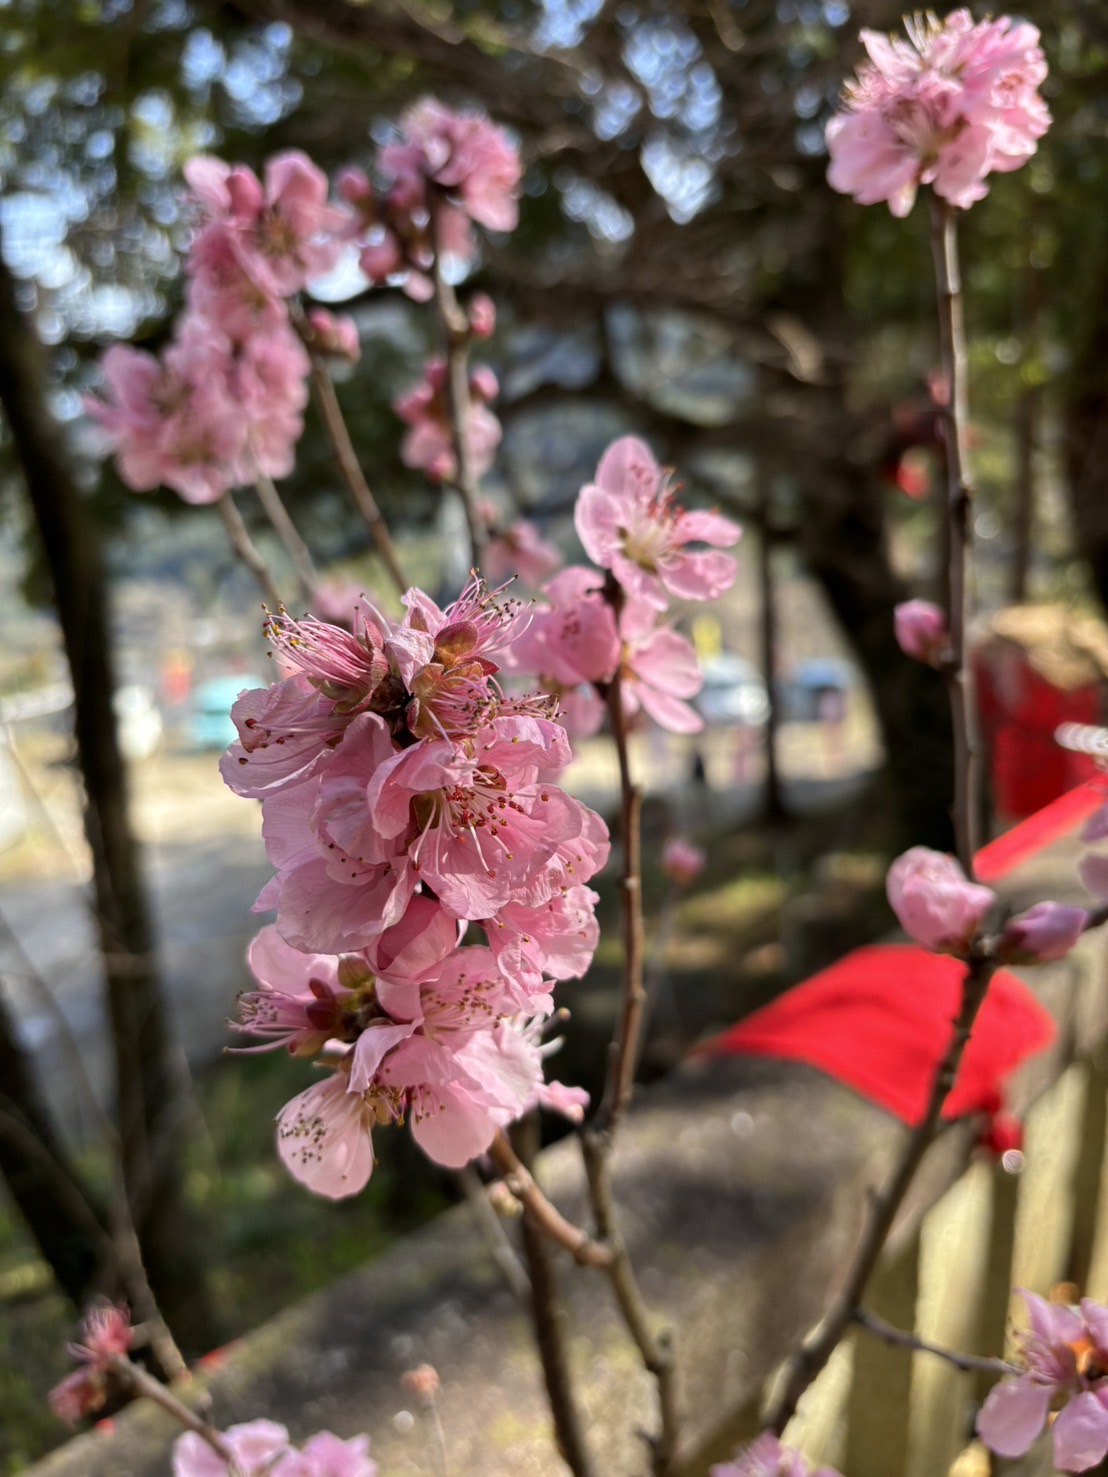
[(1037, 667), (879, 1021)]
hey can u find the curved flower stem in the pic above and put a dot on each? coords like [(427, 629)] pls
[(353, 475), (580, 1245), (287, 532), (329, 408), (901, 1338), (620, 1082), (136, 1379), (959, 678), (814, 1353), (246, 549), (455, 331)]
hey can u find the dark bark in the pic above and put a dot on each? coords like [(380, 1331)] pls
[(55, 1205), (845, 549), (1086, 430), (149, 1091)]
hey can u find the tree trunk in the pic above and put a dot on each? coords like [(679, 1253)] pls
[(69, 1232), (149, 1091), (844, 546)]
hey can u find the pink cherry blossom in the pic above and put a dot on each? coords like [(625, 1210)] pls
[(254, 1445), (465, 154), (284, 231), (1046, 931), (105, 1335), (660, 670), (174, 420), (323, 1137), (301, 999), (1063, 1355), (286, 732), (947, 107), (326, 1455), (629, 523), (766, 1457), (935, 903), (428, 445), (921, 630), (557, 939)]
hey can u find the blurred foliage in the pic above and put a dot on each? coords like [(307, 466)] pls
[(675, 174)]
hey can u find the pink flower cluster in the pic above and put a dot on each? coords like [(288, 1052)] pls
[(105, 1334), (631, 526), (766, 1457), (1065, 1359), (517, 549), (224, 401), (446, 171), (428, 445), (405, 798), (949, 106), (262, 1449)]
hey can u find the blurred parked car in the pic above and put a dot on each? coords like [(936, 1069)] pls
[(816, 687), (210, 726), (733, 691)]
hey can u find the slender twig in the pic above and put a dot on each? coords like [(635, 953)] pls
[(952, 334), (246, 549), (580, 1245), (353, 475), (655, 1348), (901, 1338), (813, 1355), (624, 1052), (455, 331), (818, 1348), (493, 1231), (548, 1318), (287, 532), (140, 1383)]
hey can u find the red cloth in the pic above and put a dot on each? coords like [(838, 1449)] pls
[(880, 1020), (1055, 820)]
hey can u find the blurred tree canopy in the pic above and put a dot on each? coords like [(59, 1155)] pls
[(681, 266)]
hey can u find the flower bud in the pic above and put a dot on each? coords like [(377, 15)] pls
[(482, 315), (921, 631), (335, 335), (934, 900), (423, 1380), (1046, 931), (682, 861)]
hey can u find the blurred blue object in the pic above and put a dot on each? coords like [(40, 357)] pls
[(210, 726), (808, 684)]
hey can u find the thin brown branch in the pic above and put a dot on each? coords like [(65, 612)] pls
[(944, 245), (813, 1355), (901, 1338), (352, 473), (580, 1245), (289, 535), (655, 1348), (134, 1378), (455, 333), (247, 550), (548, 1318)]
